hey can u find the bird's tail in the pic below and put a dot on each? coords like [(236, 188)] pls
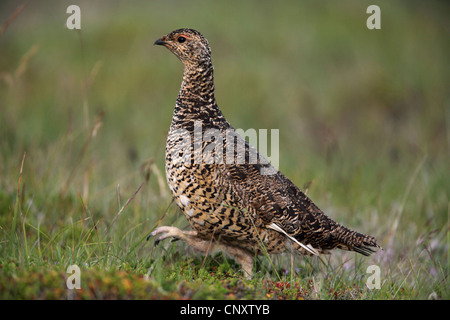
[(354, 241)]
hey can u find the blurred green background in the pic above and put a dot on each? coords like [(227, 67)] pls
[(364, 115)]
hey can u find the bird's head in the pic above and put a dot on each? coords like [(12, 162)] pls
[(188, 45)]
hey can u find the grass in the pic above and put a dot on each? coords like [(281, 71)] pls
[(364, 125)]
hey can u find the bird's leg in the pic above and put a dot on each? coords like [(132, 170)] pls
[(243, 257), (190, 237)]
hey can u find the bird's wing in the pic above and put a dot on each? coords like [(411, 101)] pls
[(278, 203), (273, 198)]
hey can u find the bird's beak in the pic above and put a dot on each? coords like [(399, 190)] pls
[(160, 42)]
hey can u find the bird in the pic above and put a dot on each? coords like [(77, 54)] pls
[(232, 197)]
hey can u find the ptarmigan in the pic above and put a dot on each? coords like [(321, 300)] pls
[(232, 201)]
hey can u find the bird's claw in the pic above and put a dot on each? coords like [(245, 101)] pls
[(167, 233)]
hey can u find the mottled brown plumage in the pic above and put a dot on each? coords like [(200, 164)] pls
[(232, 202)]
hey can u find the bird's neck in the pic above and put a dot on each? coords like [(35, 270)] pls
[(198, 84), (196, 101)]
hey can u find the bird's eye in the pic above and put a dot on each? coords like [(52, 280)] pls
[(181, 39)]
